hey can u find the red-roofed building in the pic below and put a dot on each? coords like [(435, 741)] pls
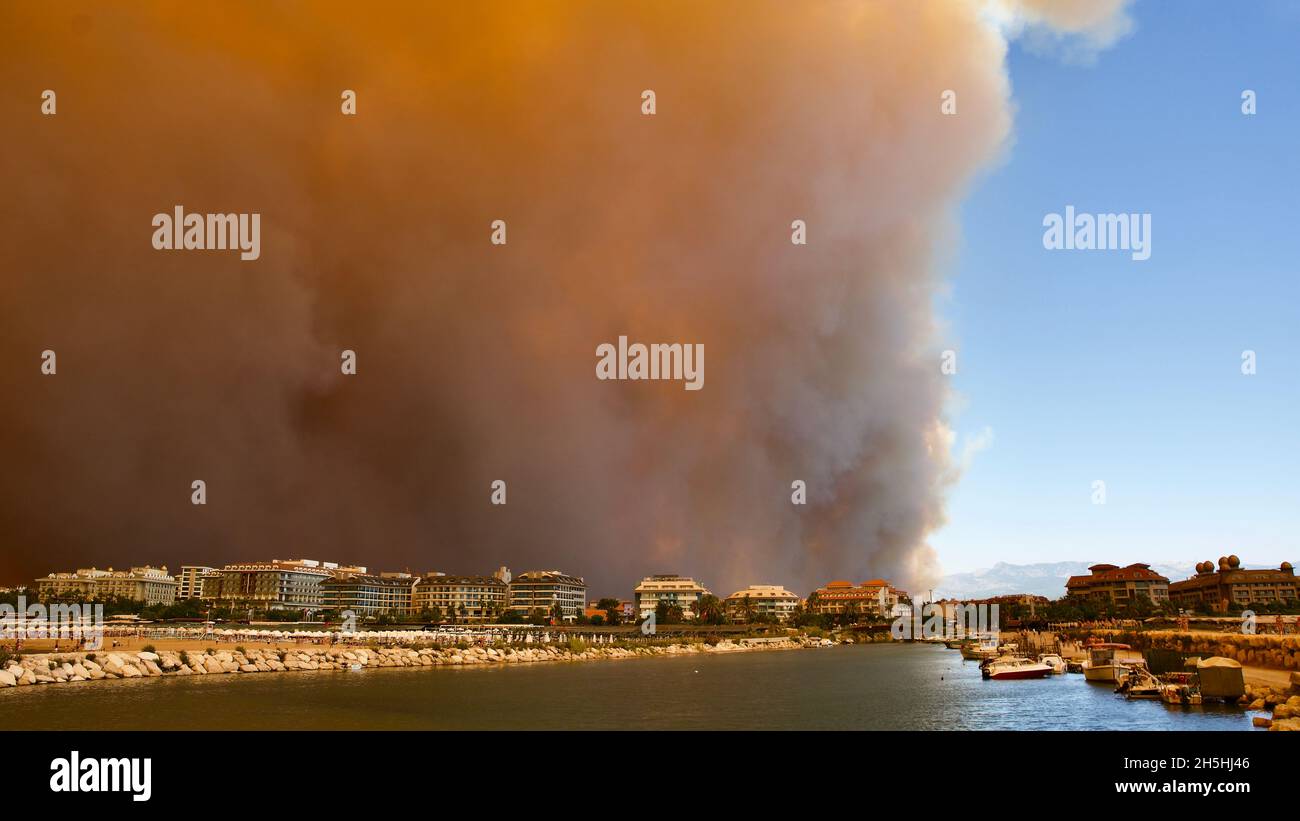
[(1120, 585), (1214, 587), (876, 596)]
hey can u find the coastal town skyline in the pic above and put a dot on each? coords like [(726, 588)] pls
[(309, 586)]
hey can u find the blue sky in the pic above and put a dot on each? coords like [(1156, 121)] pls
[(1088, 365)]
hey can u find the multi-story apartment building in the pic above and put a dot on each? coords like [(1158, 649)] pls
[(679, 591), (191, 580), (278, 584), (460, 598), (1121, 585), (539, 591), (151, 585), (388, 594), (1213, 587), (761, 601), (876, 597)]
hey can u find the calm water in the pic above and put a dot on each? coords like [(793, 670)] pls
[(871, 687)]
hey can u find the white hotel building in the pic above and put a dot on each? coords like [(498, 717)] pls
[(671, 588)]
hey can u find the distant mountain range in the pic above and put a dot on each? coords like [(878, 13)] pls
[(1043, 579)]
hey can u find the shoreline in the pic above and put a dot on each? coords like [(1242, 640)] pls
[(103, 665)]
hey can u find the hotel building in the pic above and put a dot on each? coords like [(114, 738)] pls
[(150, 585), (679, 591), (276, 585), (541, 590), (876, 597), (388, 594), (460, 598), (1120, 585), (191, 579), (761, 600), (1213, 587)]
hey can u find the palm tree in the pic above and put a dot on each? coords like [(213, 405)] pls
[(851, 611)]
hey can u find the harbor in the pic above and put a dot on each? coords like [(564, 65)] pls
[(810, 682), (872, 686), (1271, 697)]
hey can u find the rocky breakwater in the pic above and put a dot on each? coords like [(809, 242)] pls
[(1263, 650), (1285, 705), (66, 668)]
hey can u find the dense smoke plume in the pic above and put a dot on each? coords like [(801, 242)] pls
[(477, 362)]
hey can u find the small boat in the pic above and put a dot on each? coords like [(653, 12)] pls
[(1015, 667), (1137, 682), (981, 650), (954, 644), (1102, 664), (1180, 693), (1055, 662)]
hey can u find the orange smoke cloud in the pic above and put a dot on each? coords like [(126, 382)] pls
[(476, 362)]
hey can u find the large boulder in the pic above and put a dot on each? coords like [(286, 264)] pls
[(7, 679), (212, 665)]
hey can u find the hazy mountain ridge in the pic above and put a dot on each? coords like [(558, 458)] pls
[(1041, 579)]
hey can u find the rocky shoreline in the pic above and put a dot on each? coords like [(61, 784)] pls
[(1285, 705), (67, 668)]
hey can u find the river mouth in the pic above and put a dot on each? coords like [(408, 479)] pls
[(863, 687)]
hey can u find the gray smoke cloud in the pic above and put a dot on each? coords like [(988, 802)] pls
[(476, 362)]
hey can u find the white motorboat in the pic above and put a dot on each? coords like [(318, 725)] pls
[(1015, 667), (1054, 661)]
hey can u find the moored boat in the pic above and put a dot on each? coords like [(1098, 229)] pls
[(1054, 661), (1015, 667), (1137, 682), (981, 650), (1102, 663), (1180, 693)]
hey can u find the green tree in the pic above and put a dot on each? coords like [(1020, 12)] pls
[(613, 610), (709, 609), (747, 609)]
